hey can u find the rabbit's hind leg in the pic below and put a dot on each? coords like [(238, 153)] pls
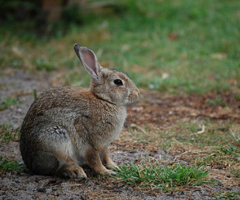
[(45, 163), (56, 155), (71, 170)]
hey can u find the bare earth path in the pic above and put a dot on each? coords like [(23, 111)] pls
[(152, 110)]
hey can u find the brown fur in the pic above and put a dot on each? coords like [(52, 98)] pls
[(67, 127)]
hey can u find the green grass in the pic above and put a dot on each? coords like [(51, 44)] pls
[(235, 172), (162, 177), (237, 96), (203, 57), (233, 148), (10, 166), (8, 133), (8, 103), (217, 102), (35, 94)]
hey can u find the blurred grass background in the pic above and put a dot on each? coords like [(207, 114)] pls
[(172, 46)]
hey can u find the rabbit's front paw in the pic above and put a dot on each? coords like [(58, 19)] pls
[(108, 172), (112, 165), (73, 172)]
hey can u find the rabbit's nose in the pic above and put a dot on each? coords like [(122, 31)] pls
[(136, 93)]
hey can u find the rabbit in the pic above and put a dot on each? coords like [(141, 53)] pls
[(68, 127)]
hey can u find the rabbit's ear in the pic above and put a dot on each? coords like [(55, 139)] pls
[(89, 61)]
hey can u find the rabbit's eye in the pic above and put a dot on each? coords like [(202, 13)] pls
[(118, 82)]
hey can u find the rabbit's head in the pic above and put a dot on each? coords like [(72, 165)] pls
[(110, 85)]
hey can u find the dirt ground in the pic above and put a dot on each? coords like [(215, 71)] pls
[(153, 110)]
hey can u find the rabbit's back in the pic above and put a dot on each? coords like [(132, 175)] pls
[(82, 115), (54, 104)]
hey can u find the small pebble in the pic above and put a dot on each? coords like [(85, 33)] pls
[(238, 159), (41, 190)]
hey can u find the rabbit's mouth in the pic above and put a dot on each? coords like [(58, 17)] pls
[(134, 96)]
